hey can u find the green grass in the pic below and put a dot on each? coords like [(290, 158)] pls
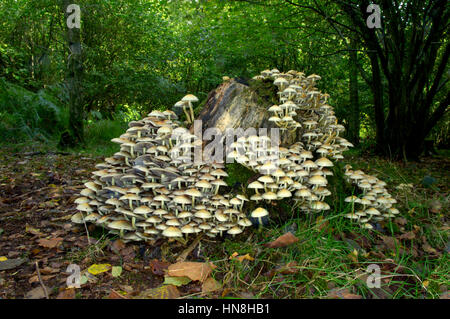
[(324, 253), (98, 137)]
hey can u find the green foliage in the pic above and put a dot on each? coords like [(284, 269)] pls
[(237, 175), (25, 115)]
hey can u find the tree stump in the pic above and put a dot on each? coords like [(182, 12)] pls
[(240, 104)]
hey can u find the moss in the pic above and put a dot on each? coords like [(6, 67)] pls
[(265, 91), (238, 175)]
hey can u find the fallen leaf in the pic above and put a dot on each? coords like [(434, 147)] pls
[(35, 278), (288, 269), (427, 248), (33, 231), (176, 281), (353, 256), (210, 285), (159, 267), (163, 292), (116, 271), (241, 258), (282, 241), (117, 246), (401, 221), (194, 270), (409, 235), (50, 243), (320, 224), (96, 269), (116, 295), (390, 242), (36, 293), (11, 263), (338, 293), (234, 255), (49, 270), (68, 293), (435, 206), (3, 258)]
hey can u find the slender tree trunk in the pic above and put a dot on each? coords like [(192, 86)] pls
[(354, 118), (74, 80)]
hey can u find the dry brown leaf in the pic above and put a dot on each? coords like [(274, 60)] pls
[(50, 243), (193, 270), (338, 293), (35, 278), (159, 268), (68, 293), (116, 295), (210, 285), (36, 293), (390, 242), (427, 248), (288, 269), (401, 221), (33, 231), (283, 241), (117, 246), (409, 235), (163, 292)]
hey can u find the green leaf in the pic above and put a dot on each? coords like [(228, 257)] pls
[(96, 269), (116, 271), (176, 281)]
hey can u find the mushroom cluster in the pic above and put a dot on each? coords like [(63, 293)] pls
[(300, 170), (375, 203), (155, 187), (152, 187)]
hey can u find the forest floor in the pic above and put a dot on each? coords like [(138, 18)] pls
[(327, 257)]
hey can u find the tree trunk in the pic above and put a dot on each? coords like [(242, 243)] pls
[(354, 118), (74, 81)]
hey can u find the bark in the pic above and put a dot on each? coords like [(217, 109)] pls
[(354, 118), (235, 104), (74, 81)]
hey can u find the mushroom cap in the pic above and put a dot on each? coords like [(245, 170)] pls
[(234, 230), (142, 210), (373, 211), (172, 232), (189, 98), (269, 196), (318, 180), (85, 207), (324, 162), (77, 218), (284, 193), (259, 212), (120, 225)]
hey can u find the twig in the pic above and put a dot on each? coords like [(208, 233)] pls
[(41, 282), (31, 192), (187, 251)]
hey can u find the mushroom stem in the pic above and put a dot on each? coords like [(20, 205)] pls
[(187, 114), (192, 112)]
